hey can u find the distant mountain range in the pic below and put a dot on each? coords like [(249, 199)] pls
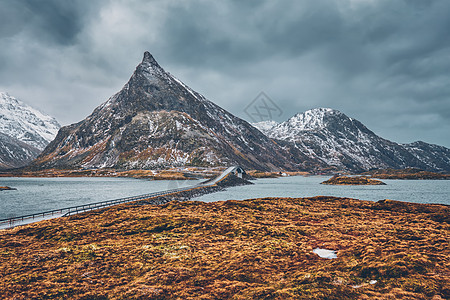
[(156, 121), (346, 144), (24, 132)]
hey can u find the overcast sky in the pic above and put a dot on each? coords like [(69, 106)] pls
[(383, 62)]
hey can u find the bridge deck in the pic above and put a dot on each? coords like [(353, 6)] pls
[(27, 219)]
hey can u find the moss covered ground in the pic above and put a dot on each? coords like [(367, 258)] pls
[(251, 249)]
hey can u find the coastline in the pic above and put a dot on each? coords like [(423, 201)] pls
[(170, 174)]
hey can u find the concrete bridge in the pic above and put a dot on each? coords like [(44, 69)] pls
[(68, 211)]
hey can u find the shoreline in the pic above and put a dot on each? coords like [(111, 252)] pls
[(193, 173)]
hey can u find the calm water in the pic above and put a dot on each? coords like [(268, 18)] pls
[(35, 195), (39, 194), (419, 191)]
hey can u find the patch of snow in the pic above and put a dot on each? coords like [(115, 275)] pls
[(265, 126), (357, 286), (325, 253)]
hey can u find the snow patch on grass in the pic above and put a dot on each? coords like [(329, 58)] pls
[(325, 253)]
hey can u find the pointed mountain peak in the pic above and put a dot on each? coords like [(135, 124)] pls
[(149, 59), (151, 88), (149, 67)]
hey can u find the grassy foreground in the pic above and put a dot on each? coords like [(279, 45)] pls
[(253, 249)]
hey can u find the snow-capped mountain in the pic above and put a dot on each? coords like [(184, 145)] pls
[(15, 153), (24, 132), (157, 121), (265, 126), (345, 143), (22, 122)]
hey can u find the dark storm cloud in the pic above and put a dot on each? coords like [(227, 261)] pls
[(58, 21), (216, 34), (383, 62), (50, 21)]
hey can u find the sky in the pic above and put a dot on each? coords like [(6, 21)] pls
[(385, 63)]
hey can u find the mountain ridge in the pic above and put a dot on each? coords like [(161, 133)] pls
[(26, 123), (157, 121), (24, 132), (338, 140)]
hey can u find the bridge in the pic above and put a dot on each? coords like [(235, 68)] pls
[(73, 210)]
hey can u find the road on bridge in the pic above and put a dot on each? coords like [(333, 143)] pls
[(68, 211)]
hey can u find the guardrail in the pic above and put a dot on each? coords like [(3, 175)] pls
[(67, 211)]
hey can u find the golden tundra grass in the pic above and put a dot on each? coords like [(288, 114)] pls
[(252, 249)]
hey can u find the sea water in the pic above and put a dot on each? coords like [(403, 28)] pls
[(418, 191), (34, 195)]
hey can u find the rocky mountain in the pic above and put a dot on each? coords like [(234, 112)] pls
[(21, 121), (435, 156), (157, 121), (24, 132), (346, 144), (15, 153)]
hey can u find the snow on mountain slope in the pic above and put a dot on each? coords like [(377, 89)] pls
[(157, 121), (15, 153), (265, 126), (437, 157), (345, 143), (20, 121)]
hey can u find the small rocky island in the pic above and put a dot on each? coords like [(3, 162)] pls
[(6, 188), (357, 180)]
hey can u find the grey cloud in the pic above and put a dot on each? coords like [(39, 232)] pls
[(57, 21), (383, 62), (49, 21)]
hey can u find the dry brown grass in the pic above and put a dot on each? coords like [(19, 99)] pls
[(357, 180), (146, 174), (5, 188), (408, 173), (262, 174), (252, 249)]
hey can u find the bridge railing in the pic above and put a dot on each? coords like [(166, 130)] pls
[(67, 211)]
